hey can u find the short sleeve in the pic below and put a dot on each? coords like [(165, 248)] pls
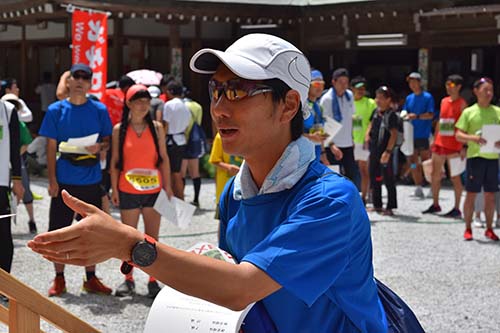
[(462, 123), (393, 120), (216, 152), (48, 128), (405, 106), (167, 111), (308, 252), (107, 127)]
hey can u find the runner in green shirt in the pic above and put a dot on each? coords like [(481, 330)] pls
[(482, 168), (363, 109)]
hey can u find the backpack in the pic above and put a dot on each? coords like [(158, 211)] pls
[(385, 125), (197, 142)]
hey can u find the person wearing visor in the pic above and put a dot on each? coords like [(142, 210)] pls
[(140, 168), (313, 116), (298, 231), (74, 117), (482, 168)]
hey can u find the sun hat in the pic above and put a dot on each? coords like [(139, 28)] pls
[(14, 99), (137, 89), (259, 57)]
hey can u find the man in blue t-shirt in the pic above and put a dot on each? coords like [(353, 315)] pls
[(421, 112), (75, 117), (299, 232)]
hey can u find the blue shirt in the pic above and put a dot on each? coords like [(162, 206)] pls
[(65, 120), (420, 104), (314, 240)]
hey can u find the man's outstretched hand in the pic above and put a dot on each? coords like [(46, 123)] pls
[(96, 238)]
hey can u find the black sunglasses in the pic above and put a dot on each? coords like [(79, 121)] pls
[(83, 76)]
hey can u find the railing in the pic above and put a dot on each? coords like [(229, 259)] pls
[(27, 306)]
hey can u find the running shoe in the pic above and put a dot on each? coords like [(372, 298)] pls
[(489, 233), (153, 289), (127, 288), (32, 226), (58, 287), (388, 212), (478, 223), (36, 196), (95, 286), (432, 209), (419, 193), (454, 213), (468, 234)]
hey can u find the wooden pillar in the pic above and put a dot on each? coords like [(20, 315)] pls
[(21, 319), (175, 51), (24, 50)]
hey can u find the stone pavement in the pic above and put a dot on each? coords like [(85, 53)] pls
[(452, 285)]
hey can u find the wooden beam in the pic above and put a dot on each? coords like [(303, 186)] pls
[(17, 291), (22, 319)]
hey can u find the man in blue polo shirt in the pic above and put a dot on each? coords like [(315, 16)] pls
[(299, 232), (421, 111), (76, 116)]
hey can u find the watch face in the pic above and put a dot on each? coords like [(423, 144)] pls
[(144, 254)]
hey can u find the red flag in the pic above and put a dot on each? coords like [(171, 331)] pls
[(90, 46)]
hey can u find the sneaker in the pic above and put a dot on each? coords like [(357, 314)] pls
[(58, 287), (32, 226), (36, 196), (468, 234), (429, 195), (95, 286), (478, 223), (419, 193), (432, 209), (195, 203), (454, 213), (388, 212), (127, 288), (489, 233), (153, 289)]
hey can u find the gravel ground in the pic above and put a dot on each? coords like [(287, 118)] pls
[(452, 285)]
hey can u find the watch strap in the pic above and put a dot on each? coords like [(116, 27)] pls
[(126, 266)]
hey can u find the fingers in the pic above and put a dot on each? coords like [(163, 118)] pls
[(60, 235), (79, 206)]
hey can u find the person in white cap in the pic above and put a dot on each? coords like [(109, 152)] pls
[(299, 232)]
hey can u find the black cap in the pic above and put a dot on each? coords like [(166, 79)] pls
[(340, 72), (80, 68)]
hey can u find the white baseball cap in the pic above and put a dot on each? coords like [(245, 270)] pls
[(259, 57), (154, 91)]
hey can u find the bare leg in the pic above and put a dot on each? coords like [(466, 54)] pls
[(458, 188), (151, 222), (489, 208), (365, 178), (437, 166), (416, 169), (178, 185), (29, 209), (469, 208)]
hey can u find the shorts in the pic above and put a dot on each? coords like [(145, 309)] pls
[(443, 151), (481, 172), (421, 144), (175, 155), (60, 215), (134, 201), (105, 183)]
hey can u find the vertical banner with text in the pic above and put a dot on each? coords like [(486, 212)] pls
[(90, 46)]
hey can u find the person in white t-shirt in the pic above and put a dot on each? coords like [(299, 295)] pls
[(176, 118), (338, 103)]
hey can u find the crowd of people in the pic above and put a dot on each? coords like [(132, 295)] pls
[(143, 147)]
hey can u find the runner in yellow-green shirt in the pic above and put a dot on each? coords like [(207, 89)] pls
[(363, 107), (482, 168)]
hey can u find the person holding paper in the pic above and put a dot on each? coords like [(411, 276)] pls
[(446, 146), (420, 109), (381, 136), (75, 117), (482, 168), (139, 171), (313, 116), (299, 232), (364, 107), (337, 103), (10, 169)]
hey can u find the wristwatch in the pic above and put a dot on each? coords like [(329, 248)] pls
[(143, 254)]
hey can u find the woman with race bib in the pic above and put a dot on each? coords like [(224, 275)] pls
[(140, 168)]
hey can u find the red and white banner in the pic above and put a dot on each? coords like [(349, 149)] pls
[(90, 46)]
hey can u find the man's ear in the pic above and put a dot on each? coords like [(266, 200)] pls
[(291, 105)]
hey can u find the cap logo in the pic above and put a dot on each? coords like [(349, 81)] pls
[(293, 70)]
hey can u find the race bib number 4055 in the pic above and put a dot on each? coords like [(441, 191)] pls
[(143, 179)]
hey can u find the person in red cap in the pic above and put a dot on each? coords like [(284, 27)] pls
[(140, 169)]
